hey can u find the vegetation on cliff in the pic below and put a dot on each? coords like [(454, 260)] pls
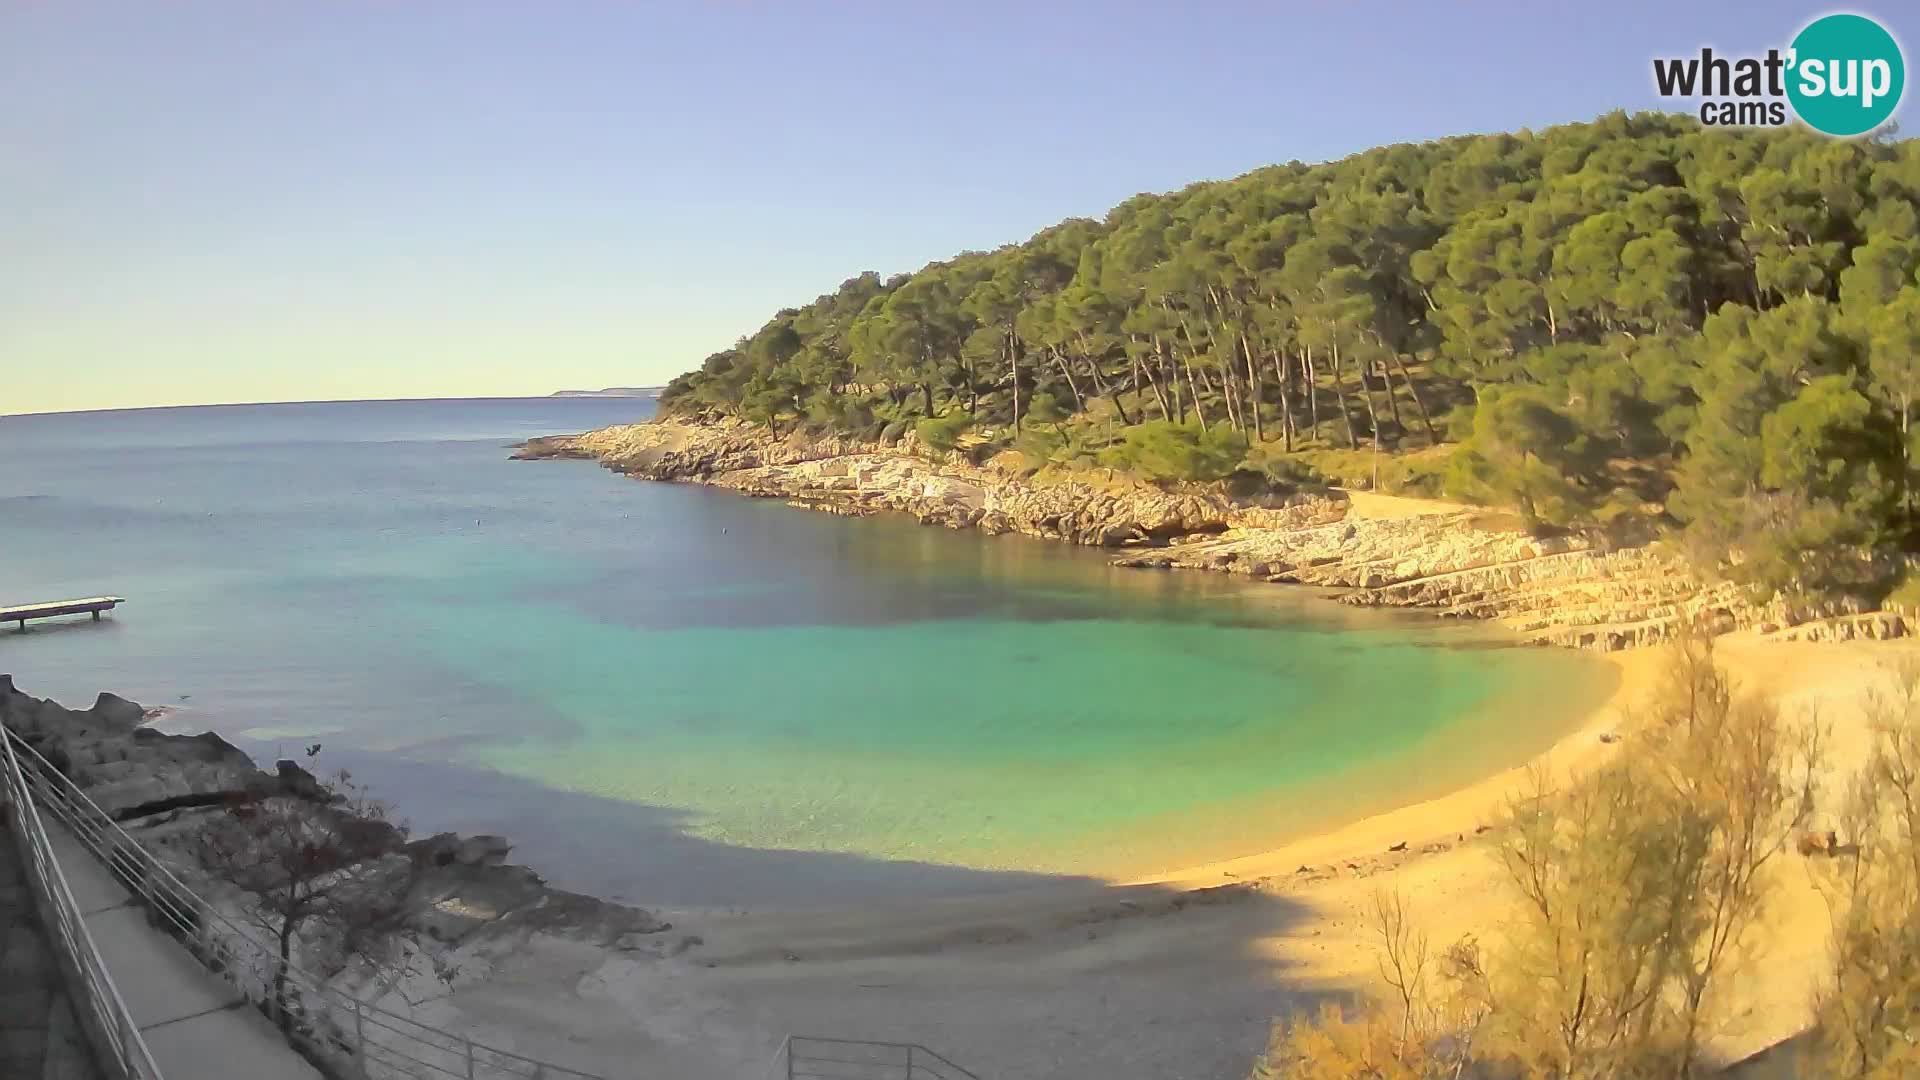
[(1634, 319)]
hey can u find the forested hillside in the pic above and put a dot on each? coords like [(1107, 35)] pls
[(1636, 322)]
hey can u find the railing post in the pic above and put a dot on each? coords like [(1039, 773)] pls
[(909, 1061), (469, 1045), (789, 1050), (359, 1039)]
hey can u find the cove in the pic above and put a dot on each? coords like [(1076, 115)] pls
[(495, 645)]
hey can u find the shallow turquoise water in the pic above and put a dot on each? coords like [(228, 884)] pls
[(640, 681)]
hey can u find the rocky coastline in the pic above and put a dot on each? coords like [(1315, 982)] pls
[(1455, 562)]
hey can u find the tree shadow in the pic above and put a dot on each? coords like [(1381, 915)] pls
[(639, 853), (1009, 973)]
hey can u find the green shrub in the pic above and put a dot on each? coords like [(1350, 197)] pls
[(839, 413), (1905, 595), (1041, 447), (1164, 451), (1421, 473), (1425, 475), (1287, 471), (1044, 408), (942, 433)]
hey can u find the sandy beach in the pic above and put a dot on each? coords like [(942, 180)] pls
[(1176, 976)]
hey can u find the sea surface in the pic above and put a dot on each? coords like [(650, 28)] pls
[(685, 697)]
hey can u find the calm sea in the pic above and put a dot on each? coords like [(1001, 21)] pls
[(685, 697)]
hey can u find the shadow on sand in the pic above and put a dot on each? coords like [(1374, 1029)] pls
[(1011, 974)]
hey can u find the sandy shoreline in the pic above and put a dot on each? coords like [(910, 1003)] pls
[(1463, 810), (1178, 976), (1454, 814), (1249, 939), (1360, 848)]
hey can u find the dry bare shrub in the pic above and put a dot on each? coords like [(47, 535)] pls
[(1643, 882), (1425, 1031), (1869, 1012), (1639, 888), (309, 858)]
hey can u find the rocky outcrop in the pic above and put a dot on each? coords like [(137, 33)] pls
[(1458, 564), (122, 765), (1554, 591), (847, 476), (1870, 626)]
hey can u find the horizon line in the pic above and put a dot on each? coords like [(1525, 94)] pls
[(553, 395)]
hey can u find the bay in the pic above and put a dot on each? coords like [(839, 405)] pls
[(678, 695)]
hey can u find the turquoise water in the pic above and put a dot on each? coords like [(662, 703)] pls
[(665, 689)]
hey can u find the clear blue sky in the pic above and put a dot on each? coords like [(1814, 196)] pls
[(277, 201)]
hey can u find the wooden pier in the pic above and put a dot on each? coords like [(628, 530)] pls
[(92, 605)]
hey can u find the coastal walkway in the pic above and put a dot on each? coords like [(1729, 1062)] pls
[(94, 991), (195, 1023), (40, 1034), (186, 986)]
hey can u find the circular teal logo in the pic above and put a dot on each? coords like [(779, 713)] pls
[(1846, 76)]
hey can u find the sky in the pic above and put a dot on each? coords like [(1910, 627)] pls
[(273, 201)]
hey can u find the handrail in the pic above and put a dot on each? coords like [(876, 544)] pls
[(114, 1032), (812, 1058), (353, 1036)]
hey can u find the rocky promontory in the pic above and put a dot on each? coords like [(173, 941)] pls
[(1455, 561)]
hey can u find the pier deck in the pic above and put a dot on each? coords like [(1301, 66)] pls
[(91, 605)]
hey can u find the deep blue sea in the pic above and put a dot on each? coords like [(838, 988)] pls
[(684, 697)]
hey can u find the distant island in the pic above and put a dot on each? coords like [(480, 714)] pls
[(613, 391)]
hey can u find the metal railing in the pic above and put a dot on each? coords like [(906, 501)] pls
[(810, 1058), (117, 1045), (349, 1036)]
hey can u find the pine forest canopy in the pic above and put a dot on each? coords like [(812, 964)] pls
[(1637, 319)]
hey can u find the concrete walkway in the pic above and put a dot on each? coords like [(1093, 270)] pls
[(40, 1039), (195, 1022)]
